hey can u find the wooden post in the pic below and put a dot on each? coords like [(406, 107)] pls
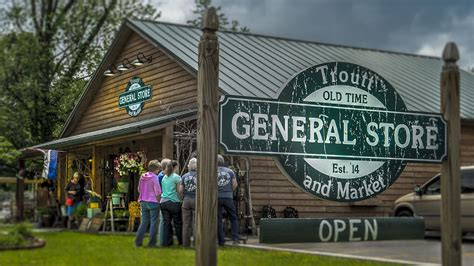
[(96, 174), (20, 191), (167, 142), (206, 202), (450, 172)]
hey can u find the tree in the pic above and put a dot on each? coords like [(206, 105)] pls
[(224, 24), (48, 51), (8, 155)]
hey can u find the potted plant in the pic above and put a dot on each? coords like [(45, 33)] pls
[(117, 193), (80, 212), (46, 215), (93, 206), (123, 184)]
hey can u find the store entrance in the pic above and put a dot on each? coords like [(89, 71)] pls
[(112, 178)]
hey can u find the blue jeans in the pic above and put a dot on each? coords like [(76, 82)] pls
[(70, 209), (160, 230), (149, 217), (228, 205)]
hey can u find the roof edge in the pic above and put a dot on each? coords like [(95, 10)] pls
[(92, 80), (130, 23), (116, 131), (182, 63), (297, 40)]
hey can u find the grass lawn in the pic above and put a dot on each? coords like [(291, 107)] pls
[(73, 248)]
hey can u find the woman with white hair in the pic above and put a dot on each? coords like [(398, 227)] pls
[(189, 202)]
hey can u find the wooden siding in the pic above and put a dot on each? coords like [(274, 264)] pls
[(270, 186), (174, 89)]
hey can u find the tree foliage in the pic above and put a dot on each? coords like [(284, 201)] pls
[(8, 156), (224, 23), (48, 49)]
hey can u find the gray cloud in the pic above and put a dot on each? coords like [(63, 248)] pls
[(421, 27)]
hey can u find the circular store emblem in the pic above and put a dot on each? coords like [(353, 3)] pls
[(346, 86), (134, 97), (339, 131)]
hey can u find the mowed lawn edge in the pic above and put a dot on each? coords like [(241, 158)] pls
[(74, 248)]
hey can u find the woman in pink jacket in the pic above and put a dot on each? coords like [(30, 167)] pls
[(150, 193)]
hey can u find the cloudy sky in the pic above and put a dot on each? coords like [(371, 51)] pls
[(412, 26)]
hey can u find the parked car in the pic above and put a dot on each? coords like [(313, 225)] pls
[(425, 202)]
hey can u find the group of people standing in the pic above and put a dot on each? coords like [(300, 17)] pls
[(171, 199)]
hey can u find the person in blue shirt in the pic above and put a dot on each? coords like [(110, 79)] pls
[(227, 183), (189, 181)]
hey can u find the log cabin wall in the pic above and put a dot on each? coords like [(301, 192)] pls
[(270, 186), (174, 89)]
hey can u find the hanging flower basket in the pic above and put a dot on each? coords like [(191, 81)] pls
[(128, 162), (125, 165)]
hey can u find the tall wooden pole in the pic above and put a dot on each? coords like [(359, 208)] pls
[(206, 201), (450, 172)]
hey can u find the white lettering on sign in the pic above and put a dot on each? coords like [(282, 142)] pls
[(345, 191), (353, 229), (260, 126), (276, 123), (325, 223), (317, 186), (348, 230), (246, 128), (345, 169), (339, 227), (345, 95)]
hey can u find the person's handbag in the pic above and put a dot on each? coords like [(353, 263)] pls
[(69, 202)]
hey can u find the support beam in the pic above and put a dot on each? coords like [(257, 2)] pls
[(450, 170), (167, 142), (206, 201)]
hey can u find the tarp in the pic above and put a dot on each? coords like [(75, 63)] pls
[(50, 164)]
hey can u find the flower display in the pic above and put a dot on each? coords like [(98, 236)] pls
[(128, 162)]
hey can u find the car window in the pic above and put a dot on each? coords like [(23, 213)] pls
[(467, 181), (433, 188)]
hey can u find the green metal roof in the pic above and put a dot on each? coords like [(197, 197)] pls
[(112, 132), (256, 65)]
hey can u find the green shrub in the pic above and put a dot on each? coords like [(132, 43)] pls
[(11, 240), (17, 236), (23, 230), (81, 210)]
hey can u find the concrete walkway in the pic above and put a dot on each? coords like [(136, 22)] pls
[(414, 252)]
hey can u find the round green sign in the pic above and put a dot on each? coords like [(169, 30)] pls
[(135, 96), (347, 86)]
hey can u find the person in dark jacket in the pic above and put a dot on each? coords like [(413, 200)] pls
[(227, 183), (73, 197), (189, 181)]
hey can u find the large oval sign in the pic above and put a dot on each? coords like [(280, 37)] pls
[(338, 130)]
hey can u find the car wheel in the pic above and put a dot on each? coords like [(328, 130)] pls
[(404, 213)]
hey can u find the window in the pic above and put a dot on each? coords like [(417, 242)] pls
[(467, 181), (434, 187)]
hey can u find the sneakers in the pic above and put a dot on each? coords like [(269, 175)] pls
[(235, 242)]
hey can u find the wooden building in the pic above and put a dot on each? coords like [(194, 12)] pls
[(250, 65)]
